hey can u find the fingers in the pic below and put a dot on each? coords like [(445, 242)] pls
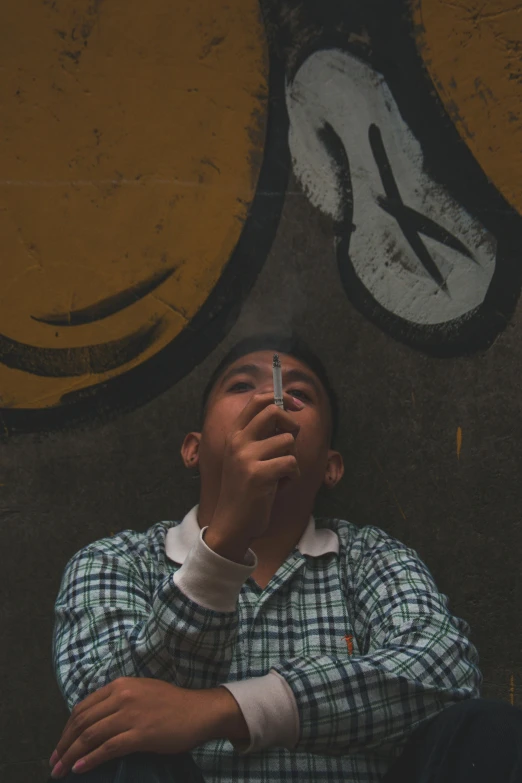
[(281, 445), (97, 744), (272, 421), (86, 729), (279, 468), (276, 458), (266, 418), (260, 401)]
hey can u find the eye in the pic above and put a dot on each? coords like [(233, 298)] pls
[(239, 383), (293, 392)]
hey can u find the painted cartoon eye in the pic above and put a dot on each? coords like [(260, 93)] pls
[(421, 249)]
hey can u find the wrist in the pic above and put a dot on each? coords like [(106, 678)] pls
[(228, 721), (229, 547)]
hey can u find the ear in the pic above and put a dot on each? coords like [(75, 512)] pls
[(334, 469), (190, 449)]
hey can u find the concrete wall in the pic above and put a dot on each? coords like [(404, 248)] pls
[(172, 181)]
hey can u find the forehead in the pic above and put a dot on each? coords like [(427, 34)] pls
[(263, 359), (291, 367)]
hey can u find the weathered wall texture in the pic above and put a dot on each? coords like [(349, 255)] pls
[(131, 150), (173, 180)]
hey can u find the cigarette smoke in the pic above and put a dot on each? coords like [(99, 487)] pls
[(283, 310)]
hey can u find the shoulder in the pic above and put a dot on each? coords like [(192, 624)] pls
[(366, 538), (131, 546), (359, 544)]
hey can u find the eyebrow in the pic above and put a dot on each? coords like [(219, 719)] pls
[(288, 375)]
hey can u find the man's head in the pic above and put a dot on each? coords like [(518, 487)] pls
[(247, 370)]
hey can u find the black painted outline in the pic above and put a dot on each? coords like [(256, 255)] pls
[(105, 401), (448, 161), (411, 222), (72, 362), (108, 306)]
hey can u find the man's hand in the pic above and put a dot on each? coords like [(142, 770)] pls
[(256, 462), (137, 714)]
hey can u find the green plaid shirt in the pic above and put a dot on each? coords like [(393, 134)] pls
[(348, 649)]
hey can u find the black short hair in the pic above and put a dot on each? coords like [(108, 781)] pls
[(283, 342)]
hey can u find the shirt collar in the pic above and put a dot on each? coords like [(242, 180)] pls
[(180, 539)]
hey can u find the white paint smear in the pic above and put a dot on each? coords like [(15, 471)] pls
[(335, 87)]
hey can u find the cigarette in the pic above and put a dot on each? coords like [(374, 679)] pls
[(278, 381)]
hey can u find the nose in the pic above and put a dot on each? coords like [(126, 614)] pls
[(267, 388)]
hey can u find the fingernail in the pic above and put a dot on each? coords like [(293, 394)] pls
[(298, 403), (57, 771), (53, 759)]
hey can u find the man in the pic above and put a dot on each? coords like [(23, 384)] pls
[(263, 641)]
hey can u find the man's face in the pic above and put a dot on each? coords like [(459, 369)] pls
[(232, 392)]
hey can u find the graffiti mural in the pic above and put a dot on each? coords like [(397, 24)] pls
[(415, 250), (134, 175), (426, 246), (145, 154), (481, 94)]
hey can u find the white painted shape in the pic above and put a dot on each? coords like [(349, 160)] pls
[(335, 87)]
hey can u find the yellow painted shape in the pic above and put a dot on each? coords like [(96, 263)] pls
[(459, 441), (471, 49), (131, 142)]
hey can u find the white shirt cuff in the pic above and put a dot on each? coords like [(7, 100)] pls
[(213, 581), (270, 712)]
